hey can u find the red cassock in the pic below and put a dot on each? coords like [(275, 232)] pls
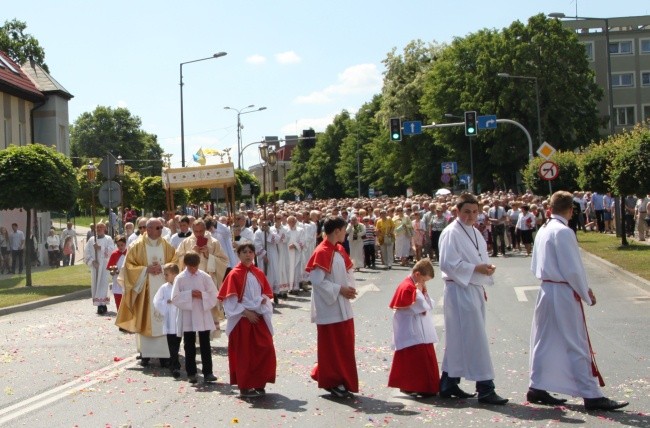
[(251, 353), (414, 368), (336, 361)]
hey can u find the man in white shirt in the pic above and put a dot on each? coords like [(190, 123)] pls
[(561, 355), (69, 232), (17, 247), (497, 218)]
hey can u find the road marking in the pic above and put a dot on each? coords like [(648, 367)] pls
[(48, 397), (364, 289), (521, 292)]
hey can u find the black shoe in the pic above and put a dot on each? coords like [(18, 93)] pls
[(176, 374), (276, 300), (144, 362), (603, 403), (455, 391), (99, 310), (409, 393), (261, 391), (340, 392), (294, 292), (540, 396), (209, 378), (493, 398), (192, 379), (251, 393)]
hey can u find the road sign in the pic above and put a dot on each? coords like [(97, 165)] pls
[(107, 167), (412, 127), (549, 171), (546, 150), (445, 178), (465, 178), (487, 122), (371, 192), (449, 167), (110, 194)]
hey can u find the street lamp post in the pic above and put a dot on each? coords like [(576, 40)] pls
[(119, 171), (217, 55), (470, 185), (610, 93), (239, 128), (539, 118), (91, 176)]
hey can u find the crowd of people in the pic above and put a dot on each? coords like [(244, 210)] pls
[(176, 279)]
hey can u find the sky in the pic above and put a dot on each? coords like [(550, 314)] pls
[(305, 61)]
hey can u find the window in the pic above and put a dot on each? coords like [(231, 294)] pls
[(624, 115), (645, 78), (623, 47), (589, 51), (6, 64), (646, 112), (622, 79), (645, 46)]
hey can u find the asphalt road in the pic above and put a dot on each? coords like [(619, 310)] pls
[(63, 365)]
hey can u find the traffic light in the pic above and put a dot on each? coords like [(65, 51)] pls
[(395, 129), (471, 127)]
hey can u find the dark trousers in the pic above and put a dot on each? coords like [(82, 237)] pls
[(369, 255), (68, 259), (174, 344), (17, 257), (435, 237), (483, 387), (600, 220), (629, 224), (189, 339), (498, 232)]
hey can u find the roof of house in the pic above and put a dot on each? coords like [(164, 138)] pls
[(43, 81), (14, 81)]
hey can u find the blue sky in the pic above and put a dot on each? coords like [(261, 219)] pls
[(303, 60)]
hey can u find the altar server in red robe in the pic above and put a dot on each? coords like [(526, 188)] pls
[(415, 367), (331, 274), (247, 300)]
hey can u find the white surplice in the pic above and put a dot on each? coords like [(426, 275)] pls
[(467, 353), (559, 352), (162, 304), (99, 276), (328, 306), (281, 269), (414, 325), (251, 300), (295, 244), (195, 314), (156, 345)]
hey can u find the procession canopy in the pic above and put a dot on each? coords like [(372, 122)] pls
[(196, 177)]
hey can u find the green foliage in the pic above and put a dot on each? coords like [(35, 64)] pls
[(155, 200), (299, 158), (569, 165), (116, 131), (596, 164), (245, 177), (630, 167), (19, 45), (36, 177)]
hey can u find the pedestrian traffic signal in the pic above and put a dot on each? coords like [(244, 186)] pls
[(395, 129), (471, 127)]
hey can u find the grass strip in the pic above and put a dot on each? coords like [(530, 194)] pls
[(633, 258)]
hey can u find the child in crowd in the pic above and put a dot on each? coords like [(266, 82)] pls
[(114, 266), (247, 297), (195, 294), (414, 334), (369, 243), (162, 302)]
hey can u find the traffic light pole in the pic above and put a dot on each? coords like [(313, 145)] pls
[(511, 122)]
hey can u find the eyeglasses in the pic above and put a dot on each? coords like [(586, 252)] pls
[(142, 227)]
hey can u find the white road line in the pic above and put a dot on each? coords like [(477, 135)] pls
[(50, 396), (521, 292), (364, 289)]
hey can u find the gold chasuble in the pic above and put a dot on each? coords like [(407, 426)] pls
[(136, 311)]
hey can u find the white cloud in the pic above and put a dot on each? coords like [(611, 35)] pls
[(122, 104), (358, 79), (289, 57), (319, 124), (256, 59)]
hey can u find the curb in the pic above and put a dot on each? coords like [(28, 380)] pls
[(77, 295), (641, 282)]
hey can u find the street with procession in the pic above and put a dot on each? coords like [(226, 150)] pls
[(64, 365)]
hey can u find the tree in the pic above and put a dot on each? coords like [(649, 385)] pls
[(35, 177), (465, 77), (299, 158), (154, 198), (116, 131), (595, 166), (20, 46), (245, 177), (630, 167)]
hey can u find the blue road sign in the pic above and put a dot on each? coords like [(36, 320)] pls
[(465, 178), (412, 127), (487, 122), (449, 167)]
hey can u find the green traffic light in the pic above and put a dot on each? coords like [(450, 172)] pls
[(395, 136), (470, 130)]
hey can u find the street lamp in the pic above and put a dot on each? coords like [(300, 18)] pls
[(539, 118), (470, 185), (270, 158), (119, 171), (610, 93), (241, 111), (217, 55)]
